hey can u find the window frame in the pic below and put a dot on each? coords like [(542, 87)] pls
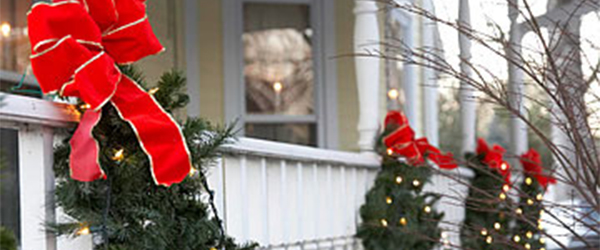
[(323, 45)]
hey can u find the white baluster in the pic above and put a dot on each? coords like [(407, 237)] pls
[(366, 37), (284, 202), (300, 203), (264, 193), (244, 197)]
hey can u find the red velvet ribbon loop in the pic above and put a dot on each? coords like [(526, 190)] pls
[(75, 45), (402, 142), (532, 164), (494, 158)]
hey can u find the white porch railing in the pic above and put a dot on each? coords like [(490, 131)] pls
[(279, 195), (282, 195), (35, 121), (293, 197)]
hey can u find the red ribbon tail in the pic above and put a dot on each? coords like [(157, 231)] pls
[(159, 135), (447, 161), (83, 159)]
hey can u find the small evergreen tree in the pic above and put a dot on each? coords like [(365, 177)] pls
[(487, 207), (127, 211), (397, 213), (530, 208)]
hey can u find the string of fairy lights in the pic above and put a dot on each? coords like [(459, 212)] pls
[(488, 238), (118, 156), (519, 211)]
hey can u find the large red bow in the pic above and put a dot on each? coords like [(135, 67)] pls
[(494, 158), (532, 164), (75, 45), (402, 141)]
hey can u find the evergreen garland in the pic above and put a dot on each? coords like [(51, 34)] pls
[(128, 211), (397, 213)]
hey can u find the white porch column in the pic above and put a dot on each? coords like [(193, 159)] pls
[(468, 99), (366, 37), (410, 78), (36, 180), (430, 88), (518, 128)]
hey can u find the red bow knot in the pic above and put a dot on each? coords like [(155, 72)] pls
[(494, 158), (532, 164), (75, 45), (402, 142)]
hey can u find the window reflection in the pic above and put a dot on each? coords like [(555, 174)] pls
[(279, 72), (14, 40), (278, 66)]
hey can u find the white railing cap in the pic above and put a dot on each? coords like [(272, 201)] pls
[(263, 148), (27, 110)]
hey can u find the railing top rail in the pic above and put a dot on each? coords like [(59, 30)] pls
[(27, 110), (262, 148)]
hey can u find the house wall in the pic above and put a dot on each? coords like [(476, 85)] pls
[(167, 19), (346, 85)]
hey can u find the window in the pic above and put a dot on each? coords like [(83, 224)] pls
[(14, 44), (279, 73), (275, 70), (9, 181)]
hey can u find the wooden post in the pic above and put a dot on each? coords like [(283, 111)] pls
[(366, 37)]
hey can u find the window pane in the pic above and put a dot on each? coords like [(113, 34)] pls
[(278, 66), (14, 42), (300, 133), (9, 181)]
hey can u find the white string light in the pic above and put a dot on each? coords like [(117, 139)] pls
[(5, 29), (277, 86)]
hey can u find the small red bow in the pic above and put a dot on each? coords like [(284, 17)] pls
[(402, 141), (75, 46), (494, 158), (532, 164)]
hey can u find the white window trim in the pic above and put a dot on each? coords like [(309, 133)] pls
[(323, 20)]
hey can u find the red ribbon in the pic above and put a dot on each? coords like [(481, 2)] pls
[(494, 158), (402, 142), (75, 46), (532, 164)]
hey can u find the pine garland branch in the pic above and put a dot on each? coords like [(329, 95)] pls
[(211, 201)]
